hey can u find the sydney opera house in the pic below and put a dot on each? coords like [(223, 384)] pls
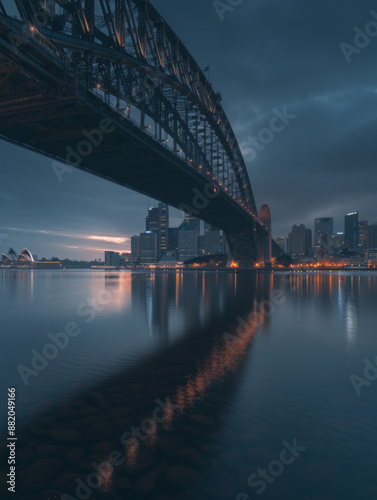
[(25, 259)]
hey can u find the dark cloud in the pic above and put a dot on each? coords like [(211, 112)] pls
[(265, 55)]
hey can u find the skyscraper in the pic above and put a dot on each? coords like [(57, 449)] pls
[(308, 240), (173, 241), (148, 247), (135, 247), (192, 223), (157, 221), (265, 217), (212, 240), (323, 230), (152, 221), (363, 234), (372, 235), (299, 240), (187, 244), (164, 227), (337, 240), (351, 230)]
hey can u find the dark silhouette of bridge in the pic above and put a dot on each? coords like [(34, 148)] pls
[(107, 86)]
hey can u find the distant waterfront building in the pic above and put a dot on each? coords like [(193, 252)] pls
[(265, 217), (337, 240), (169, 259), (187, 244), (212, 240), (351, 230), (164, 227), (371, 257), (157, 221), (112, 259), (26, 259), (127, 258), (363, 234), (135, 247), (299, 240), (25, 256), (152, 220), (191, 223), (309, 240), (201, 244), (281, 243), (323, 230), (372, 235), (225, 245), (148, 247), (173, 240)]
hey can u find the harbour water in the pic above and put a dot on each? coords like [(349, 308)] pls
[(192, 385)]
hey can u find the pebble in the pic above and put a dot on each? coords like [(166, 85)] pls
[(74, 456), (64, 435), (193, 457), (182, 477), (37, 476), (49, 450)]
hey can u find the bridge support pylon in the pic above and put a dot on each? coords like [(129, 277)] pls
[(246, 247)]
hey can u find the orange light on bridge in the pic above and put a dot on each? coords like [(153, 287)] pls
[(234, 264)]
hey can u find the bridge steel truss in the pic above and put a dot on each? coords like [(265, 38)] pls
[(122, 53)]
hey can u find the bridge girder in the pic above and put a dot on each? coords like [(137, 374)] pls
[(121, 58)]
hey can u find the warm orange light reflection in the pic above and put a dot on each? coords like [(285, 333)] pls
[(225, 358), (105, 476)]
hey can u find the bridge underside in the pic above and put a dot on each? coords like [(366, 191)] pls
[(39, 113)]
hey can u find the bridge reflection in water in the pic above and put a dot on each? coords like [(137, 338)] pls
[(168, 409)]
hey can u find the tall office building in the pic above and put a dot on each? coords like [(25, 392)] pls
[(152, 221), (135, 247), (212, 240), (191, 223), (173, 241), (323, 230), (265, 217), (372, 235), (281, 243), (337, 240), (363, 234), (299, 240), (201, 244), (164, 227), (148, 247), (157, 221), (187, 244), (309, 240), (351, 230)]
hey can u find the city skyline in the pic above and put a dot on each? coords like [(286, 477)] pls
[(322, 155)]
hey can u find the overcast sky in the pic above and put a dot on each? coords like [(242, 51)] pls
[(264, 55)]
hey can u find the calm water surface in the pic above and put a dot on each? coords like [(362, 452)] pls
[(192, 384)]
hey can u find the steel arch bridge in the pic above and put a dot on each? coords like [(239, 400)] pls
[(107, 86)]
